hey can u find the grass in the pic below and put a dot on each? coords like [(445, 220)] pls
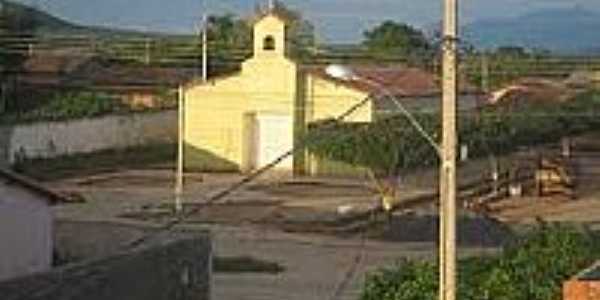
[(64, 167)]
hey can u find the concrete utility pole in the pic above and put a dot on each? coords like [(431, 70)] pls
[(205, 46), (485, 73), (147, 55), (448, 163), (180, 140)]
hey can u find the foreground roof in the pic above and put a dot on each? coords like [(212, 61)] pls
[(27, 183)]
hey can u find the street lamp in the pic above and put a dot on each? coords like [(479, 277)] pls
[(180, 151), (446, 153), (204, 41), (345, 73)]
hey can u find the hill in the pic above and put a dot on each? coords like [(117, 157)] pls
[(45, 24), (567, 31)]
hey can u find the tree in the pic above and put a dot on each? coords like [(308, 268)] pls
[(397, 39), (392, 146), (16, 26), (231, 36), (301, 40), (511, 51), (229, 40)]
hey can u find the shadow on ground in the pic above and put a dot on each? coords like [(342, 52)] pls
[(472, 230)]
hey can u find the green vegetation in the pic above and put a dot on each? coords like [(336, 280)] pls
[(396, 39), (230, 37), (532, 267), (70, 105), (391, 145), (150, 156), (14, 26), (505, 65)]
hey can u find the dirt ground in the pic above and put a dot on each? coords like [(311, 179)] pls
[(277, 221), (584, 208), (307, 225)]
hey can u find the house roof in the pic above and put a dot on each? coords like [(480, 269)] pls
[(399, 80), (133, 77), (531, 90), (56, 61), (70, 68), (33, 186)]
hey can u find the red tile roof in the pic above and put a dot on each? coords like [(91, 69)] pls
[(399, 80), (532, 90), (138, 76), (55, 62), (73, 69)]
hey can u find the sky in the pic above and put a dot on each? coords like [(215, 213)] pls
[(336, 20)]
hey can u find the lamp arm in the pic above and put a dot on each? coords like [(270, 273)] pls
[(405, 112)]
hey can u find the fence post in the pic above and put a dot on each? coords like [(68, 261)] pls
[(566, 147)]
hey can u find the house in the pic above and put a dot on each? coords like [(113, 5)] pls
[(584, 79), (533, 90), (26, 226), (48, 69), (68, 69), (247, 120), (137, 86)]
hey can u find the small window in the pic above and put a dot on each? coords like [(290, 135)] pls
[(269, 43)]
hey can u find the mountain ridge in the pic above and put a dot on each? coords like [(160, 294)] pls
[(570, 31)]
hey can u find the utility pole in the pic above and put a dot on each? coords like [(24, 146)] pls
[(205, 46), (448, 163), (180, 140), (204, 33), (147, 57), (485, 73)]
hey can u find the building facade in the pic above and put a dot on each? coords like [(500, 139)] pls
[(26, 227), (246, 121)]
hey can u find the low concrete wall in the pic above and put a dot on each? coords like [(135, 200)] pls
[(174, 267), (52, 139)]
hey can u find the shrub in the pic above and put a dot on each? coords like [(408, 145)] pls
[(532, 267), (78, 105), (70, 105), (391, 144)]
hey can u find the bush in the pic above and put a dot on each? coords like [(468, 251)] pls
[(70, 105), (79, 105), (532, 267), (393, 144)]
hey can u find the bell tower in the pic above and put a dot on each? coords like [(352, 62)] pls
[(270, 37)]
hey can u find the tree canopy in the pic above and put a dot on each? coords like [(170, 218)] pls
[(232, 35), (391, 38), (393, 145), (15, 24)]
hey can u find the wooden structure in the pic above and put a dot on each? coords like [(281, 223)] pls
[(555, 176)]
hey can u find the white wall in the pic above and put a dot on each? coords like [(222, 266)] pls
[(25, 232), (51, 139)]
